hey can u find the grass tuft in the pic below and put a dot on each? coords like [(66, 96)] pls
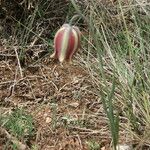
[(19, 124)]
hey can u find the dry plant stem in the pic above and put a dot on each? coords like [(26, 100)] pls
[(19, 65), (36, 38), (32, 32), (20, 145), (7, 55), (79, 139)]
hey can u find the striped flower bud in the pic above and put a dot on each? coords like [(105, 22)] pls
[(66, 42)]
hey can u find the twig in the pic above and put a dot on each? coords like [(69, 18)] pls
[(7, 55), (19, 65), (79, 139), (36, 38)]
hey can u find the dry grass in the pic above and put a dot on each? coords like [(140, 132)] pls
[(64, 101)]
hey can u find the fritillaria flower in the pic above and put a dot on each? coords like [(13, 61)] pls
[(66, 42)]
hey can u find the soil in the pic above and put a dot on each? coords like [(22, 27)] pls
[(62, 99)]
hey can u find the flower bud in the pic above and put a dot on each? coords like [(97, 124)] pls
[(66, 42)]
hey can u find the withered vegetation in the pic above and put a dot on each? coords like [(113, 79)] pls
[(59, 106)]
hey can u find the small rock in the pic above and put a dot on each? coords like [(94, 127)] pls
[(124, 147), (103, 148), (48, 119), (45, 115), (75, 104)]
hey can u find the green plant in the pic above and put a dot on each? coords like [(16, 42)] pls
[(93, 145), (122, 47), (106, 98), (19, 124)]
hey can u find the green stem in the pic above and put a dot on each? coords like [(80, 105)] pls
[(74, 18)]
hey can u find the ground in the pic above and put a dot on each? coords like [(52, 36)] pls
[(62, 99), (45, 105)]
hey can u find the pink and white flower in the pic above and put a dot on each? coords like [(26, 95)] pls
[(66, 42)]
